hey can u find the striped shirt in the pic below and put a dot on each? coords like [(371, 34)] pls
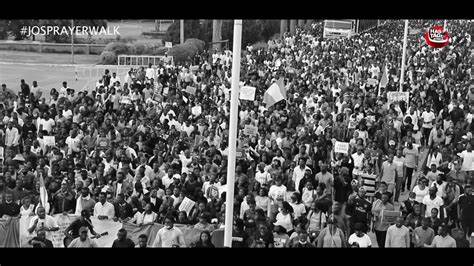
[(368, 183)]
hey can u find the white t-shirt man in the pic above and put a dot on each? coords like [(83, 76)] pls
[(47, 222), (428, 119), (363, 241)]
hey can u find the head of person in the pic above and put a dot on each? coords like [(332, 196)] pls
[(443, 230), (358, 229), (83, 233), (385, 197), (425, 223), (432, 191), (84, 192), (434, 212), (399, 221), (102, 197), (169, 222), (142, 241), (205, 237), (41, 234), (122, 234), (41, 213)]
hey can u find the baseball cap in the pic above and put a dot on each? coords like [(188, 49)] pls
[(391, 142), (82, 229)]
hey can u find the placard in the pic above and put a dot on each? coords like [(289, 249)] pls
[(194, 68), (389, 217), (196, 110), (250, 130), (186, 205), (168, 44), (247, 93), (371, 82), (191, 90), (49, 141), (166, 90), (395, 96), (341, 147)]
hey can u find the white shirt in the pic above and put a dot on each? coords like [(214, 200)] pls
[(430, 204), (73, 143), (363, 241), (47, 222), (427, 119), (467, 160), (298, 174), (420, 194), (277, 192), (107, 209)]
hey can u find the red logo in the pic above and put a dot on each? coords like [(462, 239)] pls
[(437, 37)]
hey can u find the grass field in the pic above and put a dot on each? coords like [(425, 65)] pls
[(46, 58), (47, 76)]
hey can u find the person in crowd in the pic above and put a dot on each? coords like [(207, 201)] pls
[(122, 240), (169, 235), (398, 235), (380, 227), (359, 237), (204, 240), (423, 234), (83, 241), (40, 240), (442, 239)]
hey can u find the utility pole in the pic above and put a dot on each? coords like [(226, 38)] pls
[(72, 41), (234, 109), (181, 31), (404, 52)]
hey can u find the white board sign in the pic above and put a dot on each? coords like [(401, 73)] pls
[(395, 96), (250, 130), (341, 147), (247, 93), (49, 141), (186, 205), (168, 44)]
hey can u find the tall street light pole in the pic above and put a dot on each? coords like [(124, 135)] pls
[(404, 52), (181, 31), (234, 109), (72, 41)]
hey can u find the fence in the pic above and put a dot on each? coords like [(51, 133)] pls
[(41, 47), (91, 74), (142, 60)]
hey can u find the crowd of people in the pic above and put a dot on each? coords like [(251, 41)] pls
[(133, 148)]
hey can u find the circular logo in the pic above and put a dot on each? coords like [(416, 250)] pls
[(437, 37)]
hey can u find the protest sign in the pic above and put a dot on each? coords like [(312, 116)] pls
[(168, 44), (49, 141), (196, 110), (389, 217), (372, 82), (250, 130), (194, 68), (341, 147), (247, 93), (186, 205), (166, 90), (191, 90), (395, 96)]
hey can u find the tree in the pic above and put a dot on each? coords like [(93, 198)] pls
[(192, 29)]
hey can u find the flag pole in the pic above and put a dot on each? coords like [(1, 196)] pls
[(229, 206), (404, 52)]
